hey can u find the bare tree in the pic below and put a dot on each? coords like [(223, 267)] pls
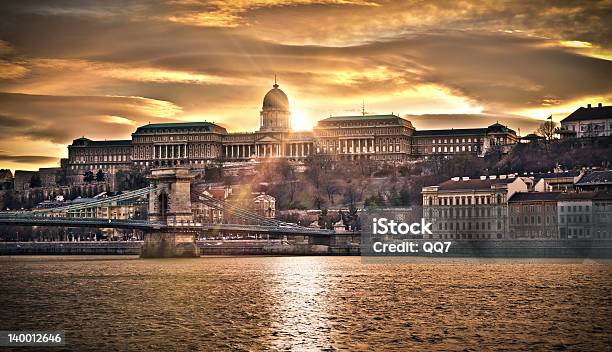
[(332, 188), (547, 129)]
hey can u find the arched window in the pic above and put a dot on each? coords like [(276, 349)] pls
[(163, 206)]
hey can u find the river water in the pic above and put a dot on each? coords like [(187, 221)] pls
[(308, 303)]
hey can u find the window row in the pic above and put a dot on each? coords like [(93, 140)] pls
[(468, 225), (574, 208), (456, 140), (467, 200)]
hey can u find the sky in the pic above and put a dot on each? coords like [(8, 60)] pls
[(72, 68)]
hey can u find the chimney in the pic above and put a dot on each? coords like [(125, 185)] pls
[(588, 106), (600, 105)]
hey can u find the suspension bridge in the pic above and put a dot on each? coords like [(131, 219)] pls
[(170, 229)]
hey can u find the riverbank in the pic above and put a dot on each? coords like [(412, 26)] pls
[(494, 248), (262, 247)]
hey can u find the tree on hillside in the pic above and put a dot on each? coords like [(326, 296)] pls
[(318, 168), (375, 200), (283, 169), (35, 181), (213, 173), (131, 179), (354, 190), (331, 188), (100, 176), (62, 180), (547, 129), (350, 219), (88, 176), (542, 157), (325, 220), (404, 197)]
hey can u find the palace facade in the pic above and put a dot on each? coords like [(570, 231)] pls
[(592, 121), (464, 208), (378, 137), (195, 144)]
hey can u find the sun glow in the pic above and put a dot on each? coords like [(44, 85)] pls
[(587, 48), (300, 121), (575, 44), (118, 120), (562, 109)]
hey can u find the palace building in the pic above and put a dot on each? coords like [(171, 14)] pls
[(196, 144), (378, 137), (463, 140), (464, 208), (592, 121)]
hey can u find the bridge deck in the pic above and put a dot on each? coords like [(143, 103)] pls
[(146, 225)]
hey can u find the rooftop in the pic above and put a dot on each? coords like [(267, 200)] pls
[(590, 113), (217, 193), (556, 175), (109, 143), (24, 172), (474, 184), (174, 125), (200, 195), (451, 132), (360, 117), (532, 137), (499, 128), (577, 196), (606, 195), (6, 174), (534, 196), (596, 178), (117, 142)]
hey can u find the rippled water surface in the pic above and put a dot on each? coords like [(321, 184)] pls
[(308, 303)]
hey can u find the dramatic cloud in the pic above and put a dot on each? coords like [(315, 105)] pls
[(28, 159), (60, 118), (46, 124), (102, 68), (442, 121)]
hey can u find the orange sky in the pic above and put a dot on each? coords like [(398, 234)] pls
[(100, 69)]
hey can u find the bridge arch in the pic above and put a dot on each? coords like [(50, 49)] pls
[(170, 195), (162, 200)]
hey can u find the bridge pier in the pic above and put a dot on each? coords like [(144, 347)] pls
[(334, 239), (169, 244), (320, 240), (170, 204)]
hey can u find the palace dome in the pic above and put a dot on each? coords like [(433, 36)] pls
[(276, 99)]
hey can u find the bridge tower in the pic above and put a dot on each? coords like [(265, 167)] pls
[(170, 195), (170, 206)]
